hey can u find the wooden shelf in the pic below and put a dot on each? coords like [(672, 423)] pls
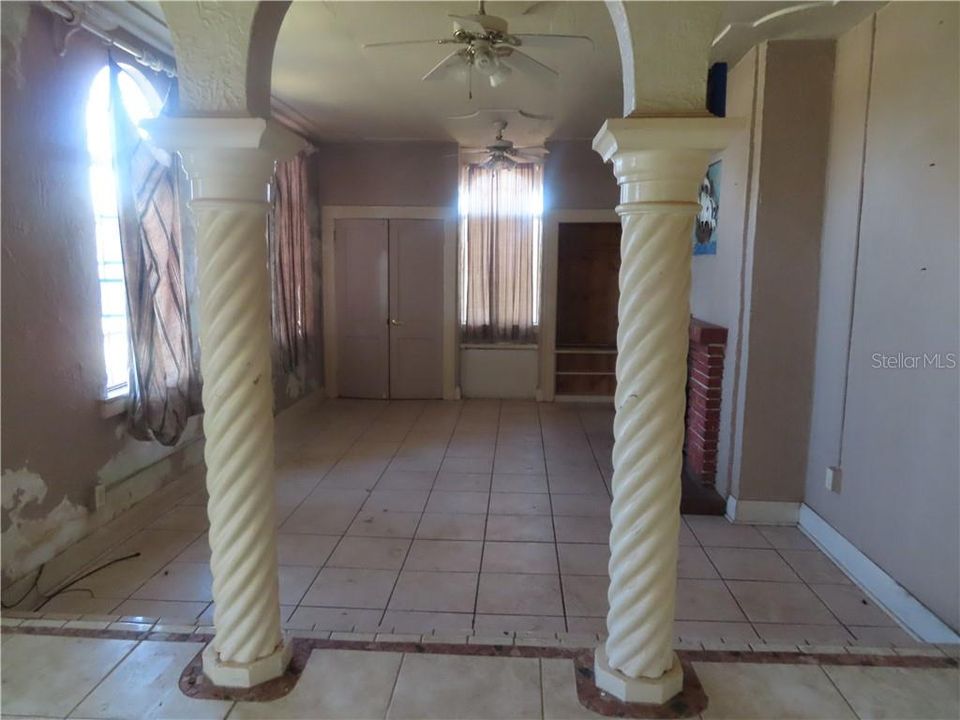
[(587, 296)]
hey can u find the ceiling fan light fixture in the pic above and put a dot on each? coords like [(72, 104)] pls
[(498, 162), (498, 76), (485, 59)]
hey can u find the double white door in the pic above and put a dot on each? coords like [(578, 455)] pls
[(389, 308)]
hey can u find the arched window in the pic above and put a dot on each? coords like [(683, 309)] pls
[(141, 102)]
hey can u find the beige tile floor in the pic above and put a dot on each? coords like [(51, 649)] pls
[(59, 677), (412, 517)]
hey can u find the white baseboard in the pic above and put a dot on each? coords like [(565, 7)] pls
[(886, 591), (762, 512), (603, 399)]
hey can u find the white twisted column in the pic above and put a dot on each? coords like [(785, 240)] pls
[(230, 162), (659, 164), (238, 425)]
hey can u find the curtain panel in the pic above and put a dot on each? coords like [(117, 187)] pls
[(500, 234), (288, 235), (163, 373)]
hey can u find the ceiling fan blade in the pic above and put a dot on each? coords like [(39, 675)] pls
[(532, 149), (520, 158), (538, 40), (469, 22), (502, 111), (534, 116), (443, 68), (522, 62), (440, 41)]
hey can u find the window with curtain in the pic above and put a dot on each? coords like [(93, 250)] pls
[(163, 373), (501, 222), (288, 236), (140, 101)]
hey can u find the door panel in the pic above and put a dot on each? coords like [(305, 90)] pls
[(416, 309), (361, 260)]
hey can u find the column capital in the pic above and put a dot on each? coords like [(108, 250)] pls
[(661, 160), (228, 159), (627, 135)]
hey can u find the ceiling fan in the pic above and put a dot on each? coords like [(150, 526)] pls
[(501, 153), (490, 49)]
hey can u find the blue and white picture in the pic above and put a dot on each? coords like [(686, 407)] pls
[(705, 226)]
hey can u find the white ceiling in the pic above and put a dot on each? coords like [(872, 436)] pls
[(333, 89), (321, 70)]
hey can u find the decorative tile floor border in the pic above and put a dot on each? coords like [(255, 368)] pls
[(153, 625), (151, 628), (690, 702)]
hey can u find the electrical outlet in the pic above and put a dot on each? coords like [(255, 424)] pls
[(99, 496), (834, 478)]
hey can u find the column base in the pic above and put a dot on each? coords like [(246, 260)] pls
[(651, 691), (245, 675)]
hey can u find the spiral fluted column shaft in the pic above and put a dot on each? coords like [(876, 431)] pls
[(648, 435), (230, 161), (238, 424), (659, 164)]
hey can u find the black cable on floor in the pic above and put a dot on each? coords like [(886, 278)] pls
[(47, 598)]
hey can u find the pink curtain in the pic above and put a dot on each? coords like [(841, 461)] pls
[(500, 231), (164, 372), (289, 237)]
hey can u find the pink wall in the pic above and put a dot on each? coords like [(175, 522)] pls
[(888, 284), (387, 173), (51, 343), (55, 444), (426, 174), (575, 178)]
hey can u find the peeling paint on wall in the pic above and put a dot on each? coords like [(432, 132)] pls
[(27, 542), (136, 455), (55, 443)]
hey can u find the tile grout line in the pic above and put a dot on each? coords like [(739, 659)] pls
[(725, 586), (543, 703), (486, 517), (423, 510), (807, 586), (753, 624), (593, 452), (553, 524), (607, 485), (107, 674), (356, 439), (839, 691), (393, 688), (851, 582), (370, 493)]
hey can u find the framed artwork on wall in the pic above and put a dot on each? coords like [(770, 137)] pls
[(705, 225)]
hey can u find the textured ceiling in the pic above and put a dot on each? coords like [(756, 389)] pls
[(321, 70)]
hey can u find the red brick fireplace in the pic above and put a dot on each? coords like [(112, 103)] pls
[(704, 381)]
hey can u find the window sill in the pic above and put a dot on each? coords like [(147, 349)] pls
[(113, 406), (499, 346)]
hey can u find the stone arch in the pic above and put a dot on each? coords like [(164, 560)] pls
[(224, 53), (664, 54)]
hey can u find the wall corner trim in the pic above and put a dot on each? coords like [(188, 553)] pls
[(762, 512), (886, 591)]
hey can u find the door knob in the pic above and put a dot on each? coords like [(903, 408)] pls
[(395, 322)]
